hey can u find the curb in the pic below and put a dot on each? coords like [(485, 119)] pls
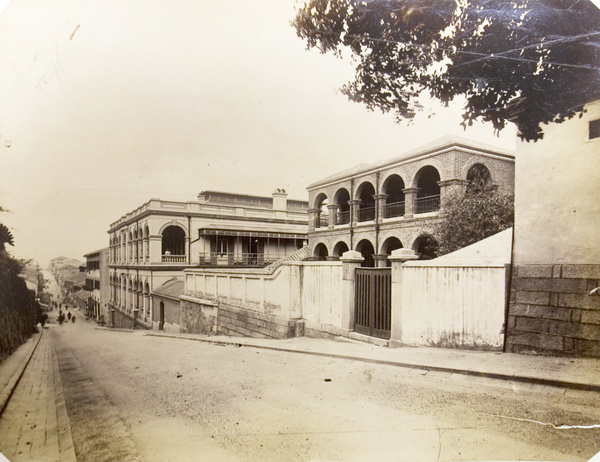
[(14, 380), (473, 373)]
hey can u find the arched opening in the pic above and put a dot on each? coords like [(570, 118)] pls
[(428, 195), (366, 210), (342, 200), (340, 248), (320, 251), (161, 316), (478, 178), (394, 203), (426, 247), (367, 251), (389, 245), (173, 241), (321, 220)]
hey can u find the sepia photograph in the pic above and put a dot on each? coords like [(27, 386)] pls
[(299, 230)]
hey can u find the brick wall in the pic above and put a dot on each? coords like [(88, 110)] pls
[(239, 321), (551, 311)]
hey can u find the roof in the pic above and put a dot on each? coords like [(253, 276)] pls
[(434, 147), (492, 251), (82, 294), (77, 278), (173, 288), (96, 252)]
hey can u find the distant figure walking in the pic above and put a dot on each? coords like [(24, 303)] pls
[(69, 315), (73, 318)]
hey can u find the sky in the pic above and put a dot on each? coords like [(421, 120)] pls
[(106, 104)]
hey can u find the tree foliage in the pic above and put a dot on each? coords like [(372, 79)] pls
[(527, 61), (480, 212)]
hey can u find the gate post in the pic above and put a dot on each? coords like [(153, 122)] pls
[(397, 258), (350, 261)]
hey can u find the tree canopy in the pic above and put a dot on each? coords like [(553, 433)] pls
[(526, 61)]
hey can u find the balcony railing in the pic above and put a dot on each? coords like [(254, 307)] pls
[(427, 204), (174, 259), (366, 214), (395, 209), (238, 259), (322, 222), (342, 218)]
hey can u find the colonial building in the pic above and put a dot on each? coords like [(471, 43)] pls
[(156, 242), (377, 208), (97, 284)]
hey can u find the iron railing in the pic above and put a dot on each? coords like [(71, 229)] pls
[(238, 259), (427, 204), (342, 218), (366, 214), (395, 209)]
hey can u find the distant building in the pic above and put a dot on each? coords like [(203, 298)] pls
[(380, 207), (97, 284), (156, 242)]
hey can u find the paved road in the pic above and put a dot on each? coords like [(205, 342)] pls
[(136, 397)]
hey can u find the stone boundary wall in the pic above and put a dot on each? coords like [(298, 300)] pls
[(120, 320), (551, 311), (198, 316), (233, 320)]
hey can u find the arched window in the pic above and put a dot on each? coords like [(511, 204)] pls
[(342, 200), (366, 210), (426, 247), (428, 195), (394, 203), (340, 248), (478, 178), (173, 241), (320, 251), (367, 250), (389, 245)]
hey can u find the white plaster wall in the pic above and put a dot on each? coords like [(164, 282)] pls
[(456, 306), (557, 195)]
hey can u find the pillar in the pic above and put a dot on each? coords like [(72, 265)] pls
[(313, 216), (380, 206), (410, 197), (350, 261), (354, 210), (398, 258), (380, 260), (333, 209)]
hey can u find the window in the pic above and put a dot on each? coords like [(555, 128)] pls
[(594, 129)]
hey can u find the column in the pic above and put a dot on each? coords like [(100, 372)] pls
[(350, 261), (410, 197), (398, 258), (333, 209), (380, 260), (313, 217), (354, 210), (380, 206)]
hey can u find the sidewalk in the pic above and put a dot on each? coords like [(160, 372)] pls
[(573, 373), (33, 422)]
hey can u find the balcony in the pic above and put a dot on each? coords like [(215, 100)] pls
[(427, 204), (174, 259), (342, 218), (238, 259), (322, 222), (366, 214), (395, 209)]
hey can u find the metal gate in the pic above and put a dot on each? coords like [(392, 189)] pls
[(373, 293)]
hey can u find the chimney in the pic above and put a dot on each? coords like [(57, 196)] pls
[(280, 200)]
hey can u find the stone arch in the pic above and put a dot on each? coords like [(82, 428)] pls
[(366, 249), (478, 178), (425, 246), (366, 209), (390, 244), (340, 248), (342, 200), (428, 189), (173, 240), (393, 187), (320, 251), (322, 215)]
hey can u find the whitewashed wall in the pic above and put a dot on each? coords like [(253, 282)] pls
[(452, 306), (308, 290)]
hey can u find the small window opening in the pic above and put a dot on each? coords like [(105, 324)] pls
[(594, 129)]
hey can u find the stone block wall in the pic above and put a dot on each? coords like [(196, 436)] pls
[(198, 317), (551, 311), (237, 321)]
